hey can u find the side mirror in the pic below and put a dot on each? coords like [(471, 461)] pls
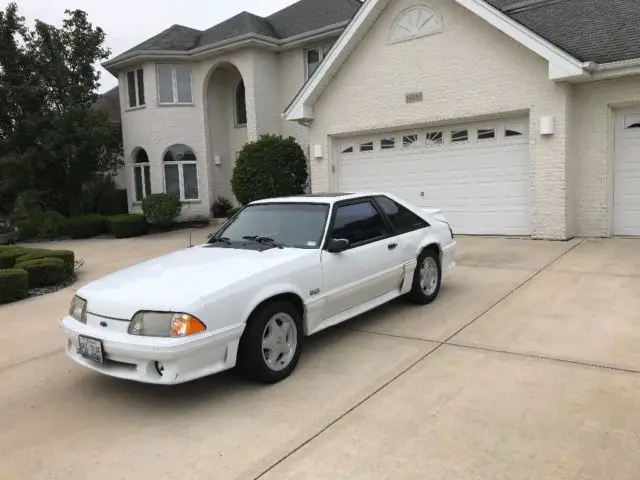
[(337, 245)]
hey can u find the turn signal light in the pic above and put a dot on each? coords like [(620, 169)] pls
[(183, 325)]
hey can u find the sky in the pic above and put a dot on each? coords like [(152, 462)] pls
[(129, 22)]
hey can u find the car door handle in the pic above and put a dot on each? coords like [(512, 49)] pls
[(392, 246)]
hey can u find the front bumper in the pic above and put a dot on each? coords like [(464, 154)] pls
[(135, 358)]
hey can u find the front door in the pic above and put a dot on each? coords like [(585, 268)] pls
[(371, 267)]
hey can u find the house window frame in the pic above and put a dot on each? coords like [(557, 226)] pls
[(180, 164), (322, 52), (141, 166), (140, 98), (174, 83), (236, 123)]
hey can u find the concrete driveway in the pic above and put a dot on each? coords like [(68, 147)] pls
[(526, 367)]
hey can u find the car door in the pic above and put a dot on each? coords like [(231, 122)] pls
[(371, 267)]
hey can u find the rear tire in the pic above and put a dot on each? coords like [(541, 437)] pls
[(271, 344), (427, 278)]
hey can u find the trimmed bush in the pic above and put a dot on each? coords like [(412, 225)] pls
[(273, 166), (9, 255), (43, 272), (161, 209), (126, 226), (41, 225), (87, 226), (67, 257), (14, 285)]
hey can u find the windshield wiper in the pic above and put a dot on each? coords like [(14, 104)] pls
[(224, 240), (263, 240)]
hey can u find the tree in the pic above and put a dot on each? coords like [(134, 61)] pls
[(52, 139), (273, 166)]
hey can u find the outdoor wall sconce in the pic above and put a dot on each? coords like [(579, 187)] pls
[(546, 125)]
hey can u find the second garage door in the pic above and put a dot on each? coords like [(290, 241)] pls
[(477, 173)]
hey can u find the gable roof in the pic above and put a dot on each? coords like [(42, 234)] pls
[(601, 31), (304, 16), (560, 31)]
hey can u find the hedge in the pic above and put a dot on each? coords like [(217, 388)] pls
[(41, 225), (9, 255), (67, 256), (14, 285), (87, 226), (161, 209), (126, 226), (43, 272)]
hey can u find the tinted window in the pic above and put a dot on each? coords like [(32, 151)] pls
[(402, 219), (295, 225), (358, 223)]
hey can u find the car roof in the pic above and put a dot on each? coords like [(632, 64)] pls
[(330, 198)]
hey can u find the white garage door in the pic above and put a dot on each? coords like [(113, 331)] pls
[(626, 177), (478, 173)]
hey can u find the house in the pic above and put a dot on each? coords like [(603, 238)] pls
[(517, 117), (191, 99)]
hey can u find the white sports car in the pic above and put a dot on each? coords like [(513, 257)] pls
[(278, 271)]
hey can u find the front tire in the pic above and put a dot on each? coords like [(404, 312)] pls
[(427, 278), (272, 343)]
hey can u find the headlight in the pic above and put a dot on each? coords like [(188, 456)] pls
[(156, 324), (78, 309)]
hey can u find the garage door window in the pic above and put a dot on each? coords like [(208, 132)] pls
[(366, 146), (360, 223), (388, 143), (410, 141), (510, 132), (402, 219), (459, 136), (434, 139), (486, 133), (346, 148)]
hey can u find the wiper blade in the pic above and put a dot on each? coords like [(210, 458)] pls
[(260, 239), (220, 240)]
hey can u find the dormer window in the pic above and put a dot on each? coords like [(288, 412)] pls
[(135, 88)]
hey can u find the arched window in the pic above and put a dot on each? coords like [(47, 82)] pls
[(241, 105), (181, 172), (141, 174)]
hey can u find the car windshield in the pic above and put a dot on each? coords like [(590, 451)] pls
[(295, 225)]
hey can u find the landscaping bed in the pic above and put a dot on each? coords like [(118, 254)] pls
[(29, 272)]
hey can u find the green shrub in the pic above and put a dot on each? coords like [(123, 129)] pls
[(67, 256), (221, 207), (43, 272), (161, 209), (41, 225), (87, 226), (273, 166), (126, 226), (14, 285), (9, 255)]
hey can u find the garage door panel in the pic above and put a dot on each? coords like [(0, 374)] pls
[(483, 186), (626, 176)]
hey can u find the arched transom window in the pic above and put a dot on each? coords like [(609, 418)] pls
[(415, 22), (240, 104), (181, 172), (141, 174)]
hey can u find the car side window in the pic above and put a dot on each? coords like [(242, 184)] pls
[(359, 223), (402, 219)]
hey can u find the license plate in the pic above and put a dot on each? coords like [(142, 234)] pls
[(90, 348)]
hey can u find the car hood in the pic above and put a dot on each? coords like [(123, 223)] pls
[(180, 280)]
